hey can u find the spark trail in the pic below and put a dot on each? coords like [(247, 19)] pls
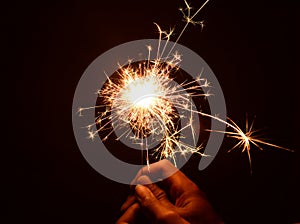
[(145, 97)]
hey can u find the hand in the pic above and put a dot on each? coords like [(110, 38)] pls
[(179, 201)]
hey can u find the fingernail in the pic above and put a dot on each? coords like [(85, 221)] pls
[(138, 189), (144, 180), (138, 186)]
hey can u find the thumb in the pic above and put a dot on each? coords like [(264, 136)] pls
[(158, 193), (154, 209), (148, 201)]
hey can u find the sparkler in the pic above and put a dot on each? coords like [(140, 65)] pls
[(144, 97)]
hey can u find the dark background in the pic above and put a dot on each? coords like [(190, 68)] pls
[(252, 47)]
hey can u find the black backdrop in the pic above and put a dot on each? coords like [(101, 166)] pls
[(252, 47)]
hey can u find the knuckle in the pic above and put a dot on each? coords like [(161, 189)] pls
[(160, 194)]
